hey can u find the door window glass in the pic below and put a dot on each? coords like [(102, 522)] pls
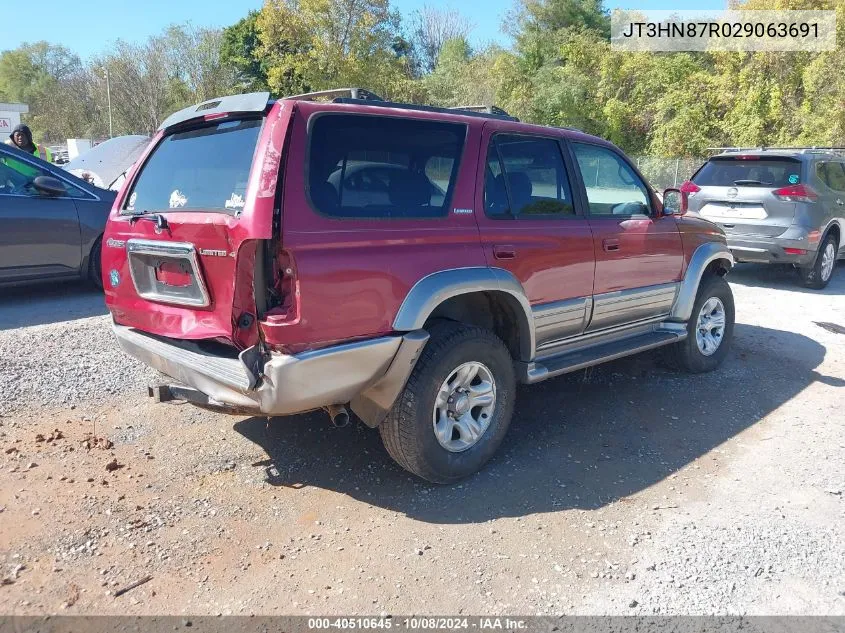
[(525, 177), (16, 178), (613, 188)]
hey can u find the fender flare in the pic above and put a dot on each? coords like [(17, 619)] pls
[(432, 290), (703, 256)]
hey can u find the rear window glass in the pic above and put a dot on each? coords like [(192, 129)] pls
[(201, 169), (748, 173), (379, 167)]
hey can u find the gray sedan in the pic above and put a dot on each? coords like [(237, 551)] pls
[(52, 221)]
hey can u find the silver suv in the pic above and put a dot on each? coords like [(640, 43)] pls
[(776, 205)]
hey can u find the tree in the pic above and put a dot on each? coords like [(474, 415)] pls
[(431, 28), (545, 16), (195, 58), (239, 51), (41, 75), (318, 44)]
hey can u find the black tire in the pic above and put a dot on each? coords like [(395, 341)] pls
[(812, 277), (686, 355), (95, 266), (408, 431)]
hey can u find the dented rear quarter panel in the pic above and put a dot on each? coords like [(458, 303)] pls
[(353, 274)]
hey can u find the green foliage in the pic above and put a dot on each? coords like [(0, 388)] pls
[(320, 44), (560, 71), (238, 50)]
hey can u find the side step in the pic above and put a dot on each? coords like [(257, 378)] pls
[(597, 354)]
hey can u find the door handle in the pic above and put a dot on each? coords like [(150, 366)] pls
[(504, 251), (610, 245)]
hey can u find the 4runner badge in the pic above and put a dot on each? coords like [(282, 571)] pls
[(213, 253)]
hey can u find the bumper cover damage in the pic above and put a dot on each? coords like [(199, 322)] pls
[(369, 373)]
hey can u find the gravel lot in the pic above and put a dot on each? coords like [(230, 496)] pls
[(626, 489)]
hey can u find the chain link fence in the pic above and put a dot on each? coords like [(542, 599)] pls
[(667, 172)]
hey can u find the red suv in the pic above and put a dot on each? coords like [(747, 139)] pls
[(412, 262)]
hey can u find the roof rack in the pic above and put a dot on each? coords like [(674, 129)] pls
[(798, 150), (359, 94), (489, 109), (365, 97)]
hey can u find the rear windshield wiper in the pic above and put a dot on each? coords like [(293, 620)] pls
[(158, 218), (739, 183)]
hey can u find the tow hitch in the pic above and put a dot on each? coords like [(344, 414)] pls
[(181, 393)]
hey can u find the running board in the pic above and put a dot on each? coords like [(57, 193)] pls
[(597, 354)]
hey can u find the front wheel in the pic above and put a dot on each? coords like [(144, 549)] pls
[(710, 328), (455, 410), (819, 274)]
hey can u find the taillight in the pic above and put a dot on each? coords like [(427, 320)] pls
[(687, 188), (796, 193)]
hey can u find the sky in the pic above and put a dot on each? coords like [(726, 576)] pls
[(88, 26)]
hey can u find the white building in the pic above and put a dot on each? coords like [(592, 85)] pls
[(10, 116)]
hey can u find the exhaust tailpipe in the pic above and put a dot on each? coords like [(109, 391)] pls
[(338, 414)]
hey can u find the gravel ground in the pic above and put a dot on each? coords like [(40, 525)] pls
[(56, 349), (626, 489)]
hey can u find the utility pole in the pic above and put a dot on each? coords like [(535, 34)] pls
[(108, 96)]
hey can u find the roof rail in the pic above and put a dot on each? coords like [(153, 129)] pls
[(489, 109), (337, 93), (763, 148), (365, 97)]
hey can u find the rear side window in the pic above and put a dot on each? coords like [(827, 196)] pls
[(381, 167), (201, 169), (832, 174), (749, 172)]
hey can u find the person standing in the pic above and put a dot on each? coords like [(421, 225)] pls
[(21, 137)]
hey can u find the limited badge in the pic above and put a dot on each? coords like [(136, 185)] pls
[(793, 179), (114, 278)]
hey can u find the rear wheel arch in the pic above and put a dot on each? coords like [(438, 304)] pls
[(496, 311), (487, 297), (835, 230)]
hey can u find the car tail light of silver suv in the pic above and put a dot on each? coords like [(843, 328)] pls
[(796, 193)]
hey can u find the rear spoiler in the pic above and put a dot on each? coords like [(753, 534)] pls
[(249, 102)]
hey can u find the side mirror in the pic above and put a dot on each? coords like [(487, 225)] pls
[(673, 202), (49, 186)]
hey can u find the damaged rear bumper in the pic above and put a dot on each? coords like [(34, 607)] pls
[(368, 373)]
